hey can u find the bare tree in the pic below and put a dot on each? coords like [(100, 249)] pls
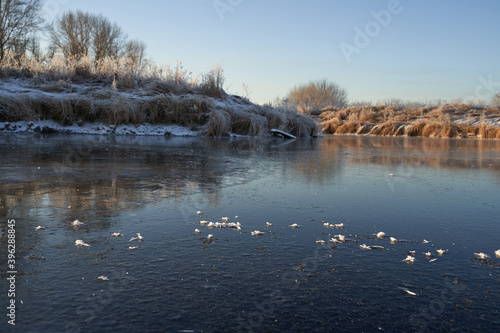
[(18, 19), (108, 38), (317, 95), (495, 101), (33, 46), (78, 34), (72, 34), (135, 50)]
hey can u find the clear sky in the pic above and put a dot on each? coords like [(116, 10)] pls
[(376, 49)]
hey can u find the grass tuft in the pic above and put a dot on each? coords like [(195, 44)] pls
[(219, 123)]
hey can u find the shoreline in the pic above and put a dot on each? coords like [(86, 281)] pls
[(158, 130), (459, 121), (160, 107)]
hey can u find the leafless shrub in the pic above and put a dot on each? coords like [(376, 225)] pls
[(317, 95)]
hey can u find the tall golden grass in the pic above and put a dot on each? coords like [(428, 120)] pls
[(120, 73), (113, 91), (456, 120)]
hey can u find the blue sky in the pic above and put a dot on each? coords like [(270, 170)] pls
[(416, 50)]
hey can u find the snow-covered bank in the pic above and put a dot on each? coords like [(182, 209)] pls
[(150, 108)]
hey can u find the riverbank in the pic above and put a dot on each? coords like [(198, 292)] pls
[(439, 121), (111, 98), (114, 99)]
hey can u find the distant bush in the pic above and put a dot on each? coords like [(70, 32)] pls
[(317, 95)]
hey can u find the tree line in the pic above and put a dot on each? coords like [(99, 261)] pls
[(75, 34)]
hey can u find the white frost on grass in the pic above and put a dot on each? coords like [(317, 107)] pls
[(138, 238), (481, 255), (96, 128), (409, 259), (79, 242), (221, 225), (341, 238), (76, 223), (441, 251)]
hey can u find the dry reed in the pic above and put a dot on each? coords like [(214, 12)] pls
[(407, 119)]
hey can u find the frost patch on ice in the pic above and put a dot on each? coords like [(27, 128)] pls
[(49, 126)]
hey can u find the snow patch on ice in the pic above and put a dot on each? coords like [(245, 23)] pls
[(49, 126)]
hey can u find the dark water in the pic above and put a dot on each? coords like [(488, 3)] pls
[(444, 191)]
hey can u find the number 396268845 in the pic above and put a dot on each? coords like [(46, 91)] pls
[(11, 257)]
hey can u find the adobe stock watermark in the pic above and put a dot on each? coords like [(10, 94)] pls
[(73, 158), (363, 37), (430, 314), (487, 88), (223, 6), (11, 272), (291, 279), (397, 176), (52, 8), (92, 306)]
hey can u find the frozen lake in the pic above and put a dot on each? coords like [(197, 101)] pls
[(443, 191)]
